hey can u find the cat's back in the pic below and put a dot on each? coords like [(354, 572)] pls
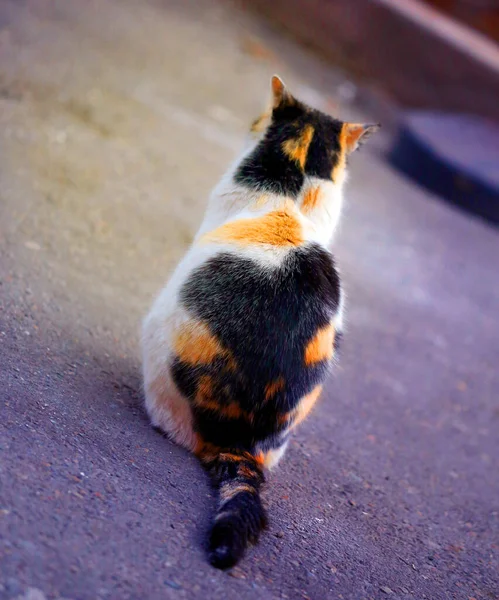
[(235, 290), (265, 293), (264, 271)]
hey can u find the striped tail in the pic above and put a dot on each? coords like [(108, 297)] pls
[(240, 515)]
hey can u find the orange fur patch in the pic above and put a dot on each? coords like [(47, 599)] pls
[(209, 451), (259, 458), (272, 388), (321, 346), (206, 451), (229, 490), (276, 228), (311, 199), (306, 404), (244, 471), (195, 344), (342, 153), (278, 90), (302, 409), (230, 457), (353, 132), (205, 399), (297, 148), (280, 94)]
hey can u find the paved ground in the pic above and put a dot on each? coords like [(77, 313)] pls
[(116, 118)]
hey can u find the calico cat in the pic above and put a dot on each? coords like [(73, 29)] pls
[(237, 346)]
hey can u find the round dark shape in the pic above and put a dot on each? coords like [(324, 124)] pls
[(456, 156)]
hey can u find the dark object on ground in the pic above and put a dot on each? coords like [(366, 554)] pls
[(455, 156)]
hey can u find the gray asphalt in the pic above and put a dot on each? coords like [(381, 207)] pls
[(116, 118)]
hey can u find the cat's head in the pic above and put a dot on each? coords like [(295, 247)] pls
[(316, 143)]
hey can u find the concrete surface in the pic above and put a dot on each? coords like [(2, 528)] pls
[(116, 118)]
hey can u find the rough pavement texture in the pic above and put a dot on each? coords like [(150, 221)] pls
[(116, 118)]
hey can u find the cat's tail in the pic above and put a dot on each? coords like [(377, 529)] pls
[(240, 516)]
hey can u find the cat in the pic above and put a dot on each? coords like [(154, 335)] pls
[(237, 346)]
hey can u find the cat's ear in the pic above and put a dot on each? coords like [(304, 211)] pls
[(356, 134), (281, 97)]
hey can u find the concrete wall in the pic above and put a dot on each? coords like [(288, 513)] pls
[(418, 55)]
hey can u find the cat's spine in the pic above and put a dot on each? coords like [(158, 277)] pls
[(240, 516)]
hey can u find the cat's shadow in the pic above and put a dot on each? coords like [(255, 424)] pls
[(183, 468)]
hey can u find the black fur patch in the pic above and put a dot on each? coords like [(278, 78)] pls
[(265, 319), (324, 151), (268, 168), (243, 519)]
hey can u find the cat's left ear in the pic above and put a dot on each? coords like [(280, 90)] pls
[(356, 134), (281, 96)]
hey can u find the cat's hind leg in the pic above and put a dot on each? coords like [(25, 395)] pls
[(167, 407), (169, 410)]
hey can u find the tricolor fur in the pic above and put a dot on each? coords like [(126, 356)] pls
[(238, 345)]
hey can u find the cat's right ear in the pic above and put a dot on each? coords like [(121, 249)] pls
[(281, 97), (356, 134)]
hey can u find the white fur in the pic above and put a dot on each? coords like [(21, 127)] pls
[(272, 457), (325, 218)]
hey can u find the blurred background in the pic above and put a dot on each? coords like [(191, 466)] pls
[(116, 119), (482, 15)]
